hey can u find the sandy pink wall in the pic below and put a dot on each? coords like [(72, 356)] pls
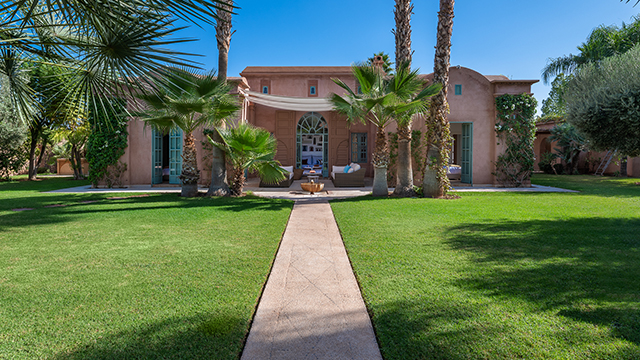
[(475, 105), (64, 167), (138, 155)]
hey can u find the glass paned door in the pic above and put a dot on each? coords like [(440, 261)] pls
[(467, 153), (175, 156), (312, 137), (156, 161)]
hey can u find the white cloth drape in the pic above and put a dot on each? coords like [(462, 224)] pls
[(288, 102)]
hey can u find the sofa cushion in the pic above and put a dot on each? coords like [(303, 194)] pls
[(355, 167), (337, 169), (347, 169), (288, 169)]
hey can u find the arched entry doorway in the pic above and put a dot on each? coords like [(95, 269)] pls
[(312, 143)]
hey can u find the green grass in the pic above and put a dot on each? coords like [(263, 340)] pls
[(502, 275), (136, 278)]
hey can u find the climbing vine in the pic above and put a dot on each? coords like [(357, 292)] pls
[(515, 129), (106, 144)]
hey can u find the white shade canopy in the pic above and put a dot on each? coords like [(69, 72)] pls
[(289, 102)]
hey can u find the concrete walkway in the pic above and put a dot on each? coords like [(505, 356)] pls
[(311, 307)]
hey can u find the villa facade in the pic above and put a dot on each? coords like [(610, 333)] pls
[(290, 103)]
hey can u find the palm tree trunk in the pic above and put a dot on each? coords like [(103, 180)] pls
[(403, 11), (404, 179), (402, 32), (190, 174), (238, 181), (436, 181), (223, 37), (219, 185), (380, 164)]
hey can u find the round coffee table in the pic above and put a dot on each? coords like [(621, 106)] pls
[(313, 178)]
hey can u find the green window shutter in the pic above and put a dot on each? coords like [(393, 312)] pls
[(175, 156), (359, 147), (458, 89)]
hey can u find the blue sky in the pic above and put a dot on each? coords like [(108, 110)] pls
[(509, 37)]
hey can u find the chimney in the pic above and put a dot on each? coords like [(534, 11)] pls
[(378, 62)]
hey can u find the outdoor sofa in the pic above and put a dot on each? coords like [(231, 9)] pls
[(284, 183), (352, 179)]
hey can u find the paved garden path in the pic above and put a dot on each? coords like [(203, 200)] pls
[(311, 307)]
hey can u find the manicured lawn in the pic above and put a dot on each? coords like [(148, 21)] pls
[(502, 275), (136, 278)]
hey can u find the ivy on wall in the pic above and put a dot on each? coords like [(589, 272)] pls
[(516, 130), (106, 144)]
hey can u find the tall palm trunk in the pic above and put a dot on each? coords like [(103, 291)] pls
[(380, 164), (439, 135), (190, 174), (402, 32), (404, 178), (403, 11), (219, 185)]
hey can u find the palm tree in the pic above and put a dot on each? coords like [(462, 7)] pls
[(383, 98), (402, 32), (219, 186), (249, 148), (603, 42), (114, 43), (436, 181), (190, 101)]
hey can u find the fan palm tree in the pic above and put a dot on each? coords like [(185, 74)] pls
[(603, 42), (383, 98), (404, 179), (249, 148), (117, 42), (435, 181), (219, 186), (188, 102)]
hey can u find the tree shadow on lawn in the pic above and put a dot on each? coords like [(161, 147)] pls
[(81, 204), (198, 337), (437, 328), (583, 268)]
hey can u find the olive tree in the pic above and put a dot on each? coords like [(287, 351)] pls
[(603, 103)]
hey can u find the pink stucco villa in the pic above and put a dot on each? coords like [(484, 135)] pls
[(290, 103)]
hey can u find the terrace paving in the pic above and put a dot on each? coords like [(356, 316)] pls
[(295, 192)]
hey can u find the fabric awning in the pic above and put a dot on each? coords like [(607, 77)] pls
[(288, 102)]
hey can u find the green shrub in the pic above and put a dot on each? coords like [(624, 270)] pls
[(547, 161), (12, 135), (106, 144)]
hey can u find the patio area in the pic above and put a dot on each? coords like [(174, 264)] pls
[(295, 192)]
